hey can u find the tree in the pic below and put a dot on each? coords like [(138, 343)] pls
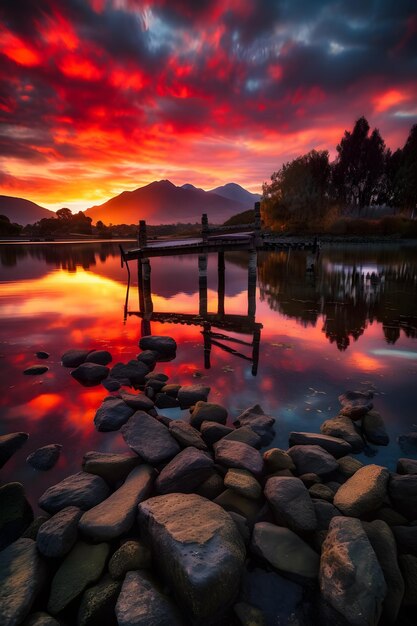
[(359, 168), (402, 168), (64, 214), (298, 195)]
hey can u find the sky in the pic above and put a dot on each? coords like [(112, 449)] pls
[(102, 96)]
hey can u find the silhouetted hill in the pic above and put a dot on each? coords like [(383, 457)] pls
[(23, 211), (161, 202), (235, 192)]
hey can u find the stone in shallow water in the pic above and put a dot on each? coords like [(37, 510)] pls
[(111, 466), (291, 503), (313, 459), (98, 604), (132, 373), (90, 374), (9, 444), (112, 414), (45, 458), (149, 438), (373, 428), (162, 344), (140, 603), (185, 472), (101, 357), (57, 535), (137, 401), (198, 550), (207, 412), (351, 579), (255, 418), (36, 370), (15, 513), (283, 549), (364, 492), (334, 445), (82, 490), (245, 434), (239, 455), (42, 355), (74, 358), (343, 428), (116, 514), (188, 395), (81, 567), (22, 575)]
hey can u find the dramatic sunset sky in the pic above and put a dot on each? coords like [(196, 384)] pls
[(100, 96)]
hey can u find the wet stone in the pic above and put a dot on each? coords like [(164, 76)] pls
[(45, 458), (112, 414), (74, 358), (111, 466), (312, 459), (83, 490), (35, 370), (186, 435), (350, 396), (356, 409), (10, 444), (90, 374), (15, 513), (149, 438), (101, 357), (185, 472), (58, 534), (132, 555)]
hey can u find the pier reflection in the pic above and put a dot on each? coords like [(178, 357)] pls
[(218, 328)]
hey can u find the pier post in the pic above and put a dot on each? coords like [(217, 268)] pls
[(147, 292), (204, 227), (207, 344), (142, 234), (252, 267), (140, 287), (255, 350), (202, 284), (220, 283), (258, 224)]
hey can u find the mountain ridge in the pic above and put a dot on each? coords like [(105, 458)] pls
[(22, 211)]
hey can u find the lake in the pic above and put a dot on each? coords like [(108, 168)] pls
[(349, 324)]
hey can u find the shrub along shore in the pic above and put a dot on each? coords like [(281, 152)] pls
[(194, 525)]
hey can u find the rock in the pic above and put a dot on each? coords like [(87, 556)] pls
[(364, 492), (408, 442), (32, 530), (82, 490), (403, 493), (112, 414), (81, 568), (186, 435), (234, 502), (291, 503), (149, 357), (408, 564), (45, 458), (255, 418), (356, 409), (312, 459), (238, 455), (407, 466), (15, 513), (22, 576), (101, 357), (281, 601), (156, 376), (406, 538), (131, 555), (245, 434), (383, 543), (373, 428), (164, 401), (241, 525), (185, 472), (132, 373), (90, 374), (42, 355), (35, 370), (163, 345), (74, 358), (189, 395), (244, 483), (98, 604), (211, 487), (351, 579), (9, 444), (58, 534), (391, 517), (350, 396), (322, 492), (40, 619), (283, 549), (249, 615), (207, 412), (343, 428), (116, 515), (111, 466), (213, 432), (198, 550), (171, 390), (325, 512), (349, 465), (149, 438), (334, 445), (111, 384), (310, 479), (140, 603), (138, 402), (276, 459)]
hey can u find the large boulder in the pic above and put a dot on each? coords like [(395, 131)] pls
[(342, 427), (9, 444), (364, 492), (101, 357), (351, 579), (373, 427), (81, 567), (312, 459), (116, 515), (198, 550), (189, 395), (15, 513), (111, 466), (403, 493), (58, 534), (45, 458), (186, 435), (149, 438), (291, 503), (334, 445), (283, 549), (208, 412), (90, 374), (164, 345), (22, 576), (185, 472), (140, 603), (112, 414), (238, 455), (83, 490)]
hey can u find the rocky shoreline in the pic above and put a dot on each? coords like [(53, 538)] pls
[(193, 525)]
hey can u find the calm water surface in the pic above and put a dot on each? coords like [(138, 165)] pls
[(350, 324)]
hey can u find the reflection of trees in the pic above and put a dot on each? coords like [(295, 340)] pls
[(345, 291), (61, 256)]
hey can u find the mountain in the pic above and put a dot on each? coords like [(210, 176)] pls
[(235, 192), (23, 211), (161, 202), (190, 186)]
